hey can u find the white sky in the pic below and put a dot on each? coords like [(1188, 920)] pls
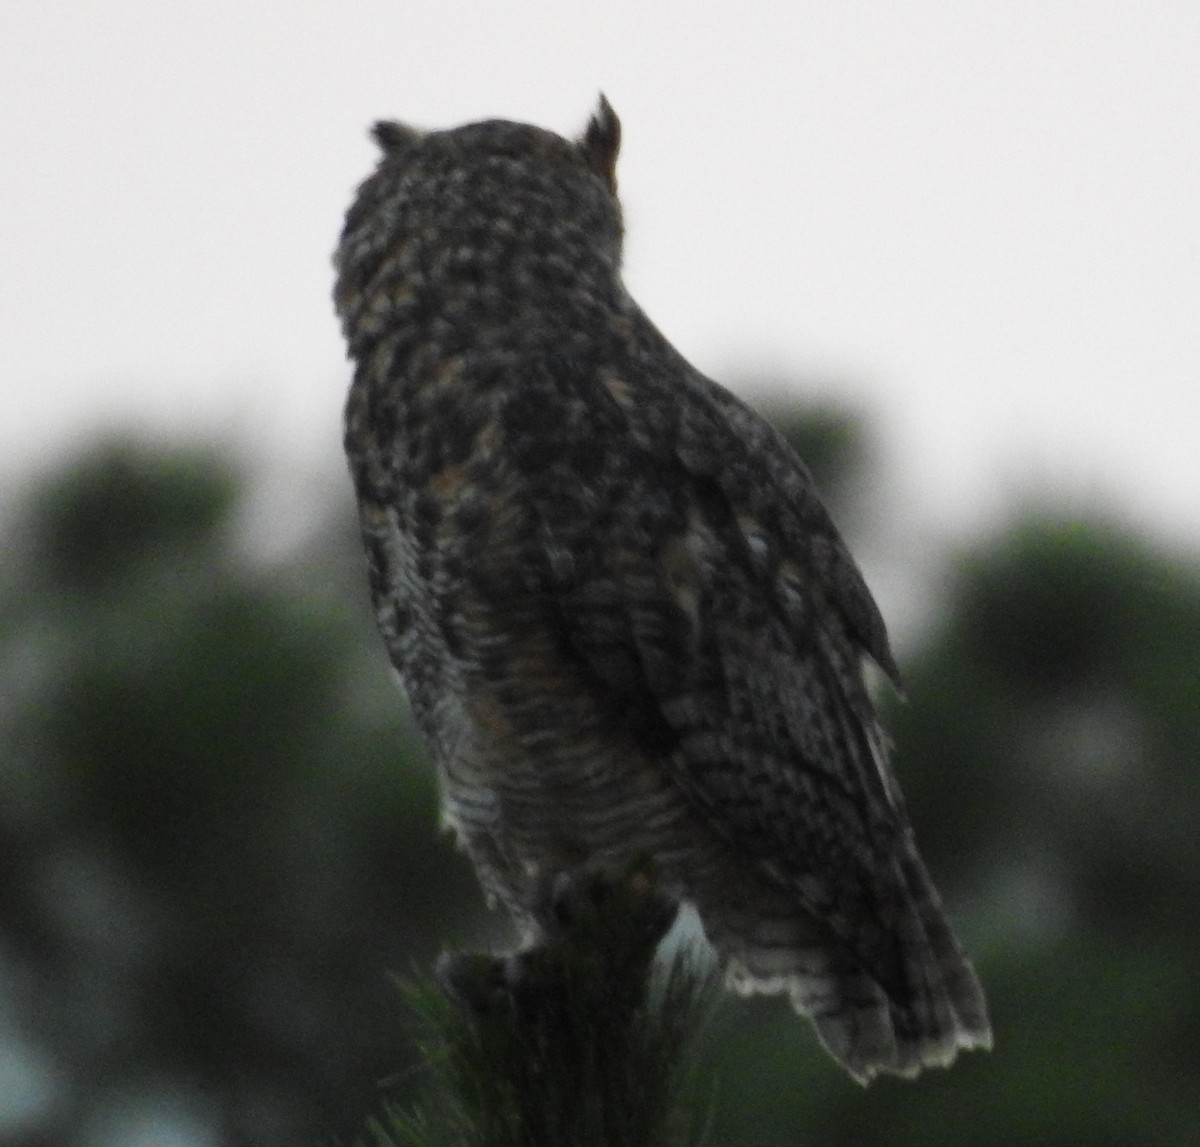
[(979, 222)]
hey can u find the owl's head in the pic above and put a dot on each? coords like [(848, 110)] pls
[(480, 225)]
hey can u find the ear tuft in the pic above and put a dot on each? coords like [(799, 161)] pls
[(393, 136), (601, 141)]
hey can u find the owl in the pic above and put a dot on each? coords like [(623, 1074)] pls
[(625, 622)]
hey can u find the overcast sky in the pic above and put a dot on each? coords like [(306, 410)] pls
[(978, 222)]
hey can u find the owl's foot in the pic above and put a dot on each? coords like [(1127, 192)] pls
[(605, 909)]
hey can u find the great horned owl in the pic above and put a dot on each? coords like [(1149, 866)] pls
[(625, 622)]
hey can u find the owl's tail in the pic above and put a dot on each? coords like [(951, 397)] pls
[(940, 1010)]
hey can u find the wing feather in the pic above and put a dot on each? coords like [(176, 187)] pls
[(710, 597)]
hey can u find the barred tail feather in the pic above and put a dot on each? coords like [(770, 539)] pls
[(867, 1031)]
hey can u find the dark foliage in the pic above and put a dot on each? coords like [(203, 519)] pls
[(216, 843)]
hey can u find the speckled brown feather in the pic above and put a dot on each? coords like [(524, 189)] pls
[(625, 621)]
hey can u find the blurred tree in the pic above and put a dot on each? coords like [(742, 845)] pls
[(215, 842), (213, 845)]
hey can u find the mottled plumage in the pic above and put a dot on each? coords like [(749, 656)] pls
[(625, 621)]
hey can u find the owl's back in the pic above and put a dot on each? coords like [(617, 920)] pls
[(625, 622)]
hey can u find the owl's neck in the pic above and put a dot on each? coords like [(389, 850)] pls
[(489, 296)]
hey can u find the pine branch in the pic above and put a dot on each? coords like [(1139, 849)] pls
[(583, 1041)]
